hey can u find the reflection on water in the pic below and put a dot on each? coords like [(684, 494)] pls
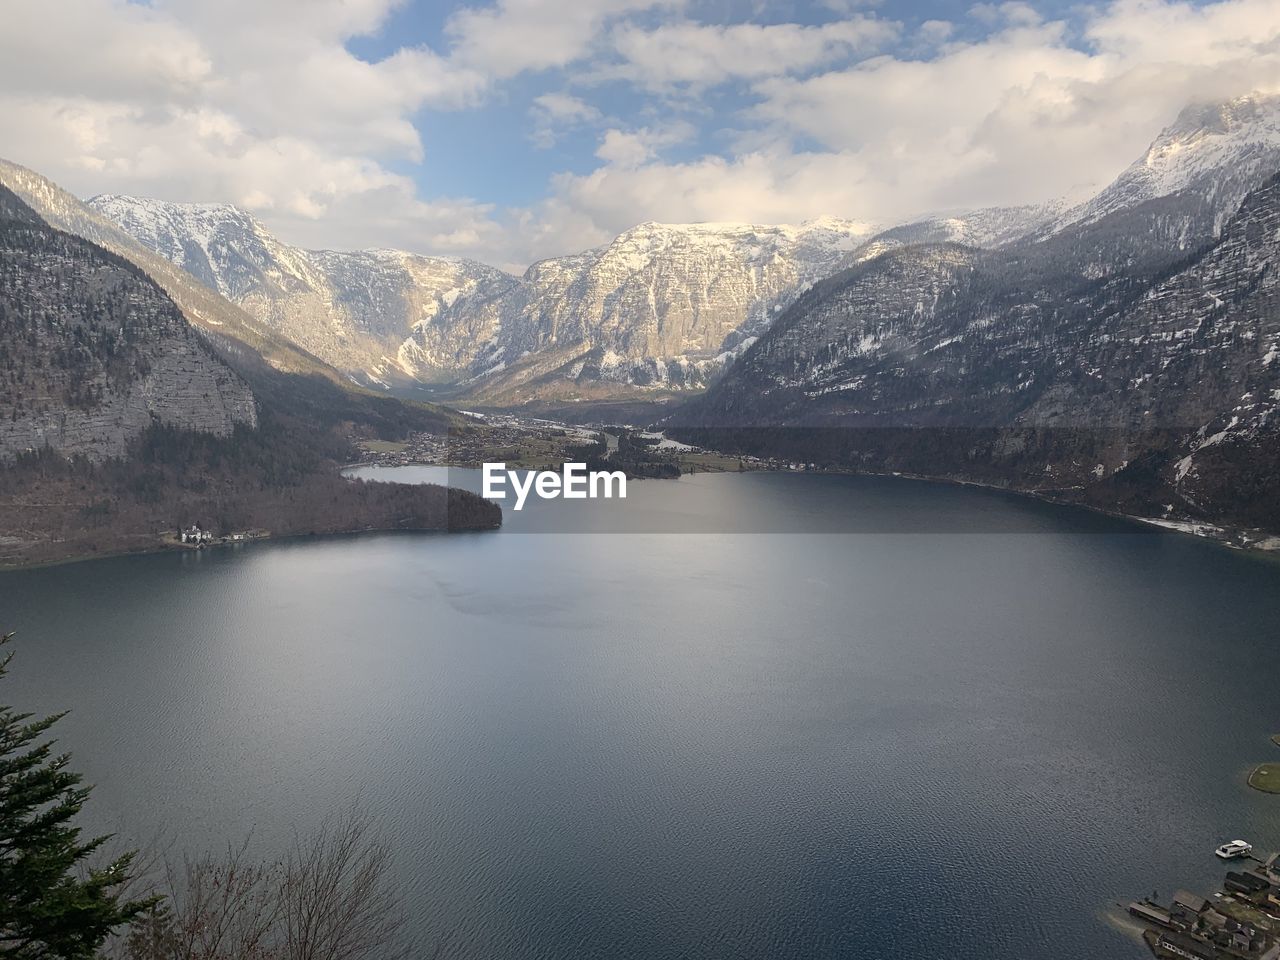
[(959, 744)]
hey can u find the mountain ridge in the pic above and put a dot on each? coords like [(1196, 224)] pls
[(664, 309), (95, 352), (1152, 391), (462, 320), (1218, 151)]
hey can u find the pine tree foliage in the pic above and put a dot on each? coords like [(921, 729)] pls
[(53, 904)]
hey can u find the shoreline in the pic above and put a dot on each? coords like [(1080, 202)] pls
[(1257, 543), (160, 546)]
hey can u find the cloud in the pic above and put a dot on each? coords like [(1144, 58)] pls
[(263, 103), (81, 45), (256, 102), (698, 55), (760, 187), (634, 147), (553, 113), (1027, 113), (515, 36), (935, 31)]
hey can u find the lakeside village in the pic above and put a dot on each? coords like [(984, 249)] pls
[(1241, 922), (195, 537), (538, 444)]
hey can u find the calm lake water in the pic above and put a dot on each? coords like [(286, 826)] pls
[(961, 735)]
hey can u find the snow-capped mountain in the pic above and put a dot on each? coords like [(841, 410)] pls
[(670, 305), (1130, 360), (985, 227), (662, 305), (929, 326), (1210, 156), (221, 321), (358, 311)]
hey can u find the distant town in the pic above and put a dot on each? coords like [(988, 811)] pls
[(536, 444), (1240, 922)]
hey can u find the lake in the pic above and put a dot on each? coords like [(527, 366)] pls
[(961, 727)]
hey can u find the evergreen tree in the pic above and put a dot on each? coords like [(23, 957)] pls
[(53, 904)]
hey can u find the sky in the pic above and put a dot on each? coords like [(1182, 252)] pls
[(513, 130)]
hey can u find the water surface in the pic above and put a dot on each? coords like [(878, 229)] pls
[(912, 742)]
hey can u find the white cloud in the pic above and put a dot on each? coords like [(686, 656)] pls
[(699, 55), (936, 31), (518, 35), (82, 45), (261, 102), (553, 113), (631, 148), (1021, 116), (256, 102)]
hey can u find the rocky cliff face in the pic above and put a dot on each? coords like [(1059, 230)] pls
[(360, 311), (227, 326), (1200, 352), (93, 352), (662, 305)]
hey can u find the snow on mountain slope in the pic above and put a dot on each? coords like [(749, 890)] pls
[(359, 311), (1213, 153), (220, 320), (663, 305), (677, 296), (669, 305), (986, 227), (1202, 166)]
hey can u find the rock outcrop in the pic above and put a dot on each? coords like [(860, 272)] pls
[(94, 352)]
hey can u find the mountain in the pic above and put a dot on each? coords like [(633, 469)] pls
[(94, 352), (1200, 168), (287, 378), (666, 307), (120, 419), (661, 306), (358, 311), (1210, 157), (985, 227), (233, 330), (1093, 365)]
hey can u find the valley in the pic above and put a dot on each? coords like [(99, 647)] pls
[(123, 422), (644, 480), (1116, 353)]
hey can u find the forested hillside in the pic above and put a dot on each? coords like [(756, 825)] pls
[(1149, 386), (120, 422)]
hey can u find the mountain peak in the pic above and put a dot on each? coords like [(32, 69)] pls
[(1216, 151), (1221, 118), (151, 214)]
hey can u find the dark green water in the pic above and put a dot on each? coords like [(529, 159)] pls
[(916, 742)]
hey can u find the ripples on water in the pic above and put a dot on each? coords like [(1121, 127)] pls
[(880, 745)]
